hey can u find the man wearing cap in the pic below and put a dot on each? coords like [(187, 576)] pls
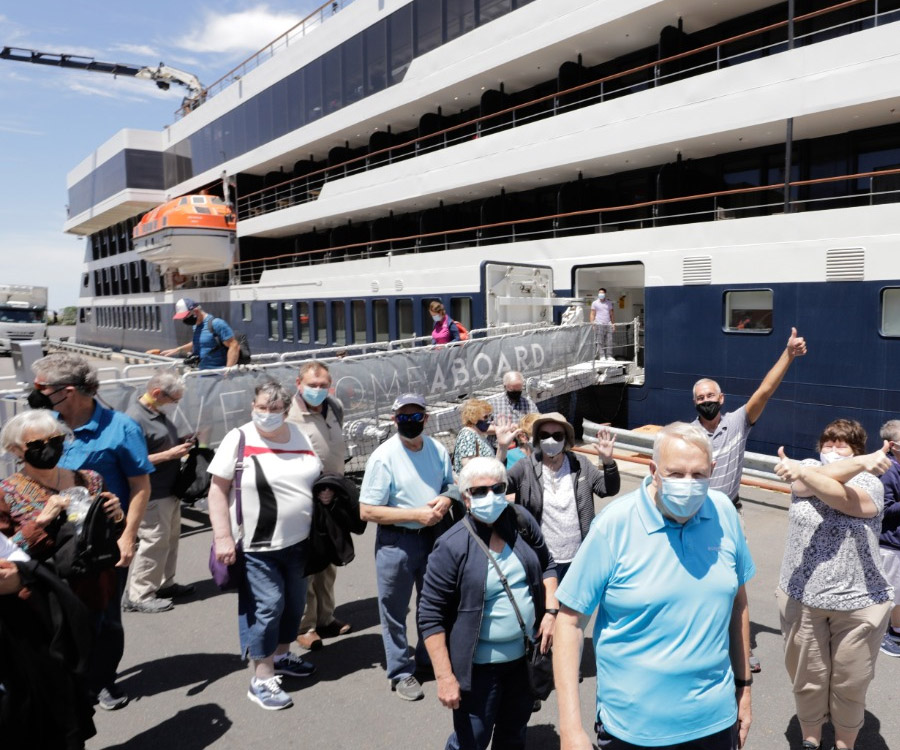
[(213, 340), (407, 488)]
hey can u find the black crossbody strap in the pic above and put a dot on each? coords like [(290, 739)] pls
[(490, 557)]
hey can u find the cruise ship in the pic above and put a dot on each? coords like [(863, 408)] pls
[(725, 170)]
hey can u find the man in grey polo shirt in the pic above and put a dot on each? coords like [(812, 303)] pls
[(729, 431)]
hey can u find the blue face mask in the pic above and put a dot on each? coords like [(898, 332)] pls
[(314, 396), (682, 498), (487, 509)]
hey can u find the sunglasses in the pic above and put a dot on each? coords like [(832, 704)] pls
[(56, 441), (418, 416), (41, 387), (497, 489), (551, 436)]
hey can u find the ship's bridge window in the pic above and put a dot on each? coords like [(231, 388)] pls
[(273, 321), (381, 320), (748, 311), (890, 311)]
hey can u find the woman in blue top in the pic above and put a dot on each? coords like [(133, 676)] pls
[(468, 622)]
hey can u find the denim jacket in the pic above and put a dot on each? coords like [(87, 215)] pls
[(452, 600)]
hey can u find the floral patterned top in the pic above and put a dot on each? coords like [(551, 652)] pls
[(21, 501), (831, 560), (470, 444)]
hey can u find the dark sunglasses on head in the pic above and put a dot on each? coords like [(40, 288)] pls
[(497, 489), (418, 416), (553, 435), (56, 441)]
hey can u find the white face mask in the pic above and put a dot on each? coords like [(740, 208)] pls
[(601, 295), (437, 318), (267, 422), (551, 447), (683, 497), (830, 457)]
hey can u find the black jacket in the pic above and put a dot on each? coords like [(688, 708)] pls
[(452, 598), (330, 542), (525, 480)]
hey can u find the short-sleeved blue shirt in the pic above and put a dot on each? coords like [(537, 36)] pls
[(400, 478), (111, 444), (664, 594), (211, 354)]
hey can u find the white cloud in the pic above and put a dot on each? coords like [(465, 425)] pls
[(125, 89), (55, 261), (144, 53), (244, 31), (18, 130)]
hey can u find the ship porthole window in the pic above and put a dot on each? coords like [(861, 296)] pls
[(748, 311), (890, 311)]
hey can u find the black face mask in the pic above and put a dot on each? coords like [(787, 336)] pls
[(709, 409), (40, 400), (190, 320), (514, 396), (410, 430), (47, 455)]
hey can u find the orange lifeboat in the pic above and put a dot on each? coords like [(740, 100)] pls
[(191, 234)]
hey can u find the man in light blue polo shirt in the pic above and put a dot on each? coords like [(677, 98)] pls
[(407, 488), (665, 568)]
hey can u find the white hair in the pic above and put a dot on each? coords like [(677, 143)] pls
[(481, 466), (701, 382), (168, 381), (890, 430), (41, 421), (689, 433), (508, 377)]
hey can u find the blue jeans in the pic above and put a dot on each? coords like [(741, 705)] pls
[(271, 599), (400, 561), (499, 703), (109, 639)]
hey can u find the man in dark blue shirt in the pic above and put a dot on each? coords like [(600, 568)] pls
[(213, 340)]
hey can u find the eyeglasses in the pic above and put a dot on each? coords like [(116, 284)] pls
[(418, 416), (56, 441), (276, 408), (41, 386), (497, 489), (551, 436)]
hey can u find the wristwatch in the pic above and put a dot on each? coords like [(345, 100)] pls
[(743, 683), (551, 611)]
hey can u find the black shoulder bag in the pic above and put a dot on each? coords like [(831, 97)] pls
[(539, 665)]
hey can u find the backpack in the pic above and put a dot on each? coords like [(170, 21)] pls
[(93, 549), (241, 338), (193, 479), (463, 331)]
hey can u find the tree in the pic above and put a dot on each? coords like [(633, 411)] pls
[(68, 316)]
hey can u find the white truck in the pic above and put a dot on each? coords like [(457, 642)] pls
[(22, 314)]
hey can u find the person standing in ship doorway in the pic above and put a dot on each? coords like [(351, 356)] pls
[(604, 320), (729, 431), (213, 342)]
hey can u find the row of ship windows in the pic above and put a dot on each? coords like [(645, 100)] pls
[(745, 311), (308, 322), (131, 318)]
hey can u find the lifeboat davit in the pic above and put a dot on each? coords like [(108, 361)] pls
[(191, 234)]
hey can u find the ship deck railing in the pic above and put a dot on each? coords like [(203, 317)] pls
[(304, 26), (307, 187), (718, 205)]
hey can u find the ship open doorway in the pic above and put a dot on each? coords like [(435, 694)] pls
[(624, 284)]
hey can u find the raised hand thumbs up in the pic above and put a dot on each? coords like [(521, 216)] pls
[(787, 468), (796, 345)]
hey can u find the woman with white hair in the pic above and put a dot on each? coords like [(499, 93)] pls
[(468, 620), (271, 466), (32, 506)]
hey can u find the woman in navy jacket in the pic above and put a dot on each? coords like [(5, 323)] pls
[(466, 618)]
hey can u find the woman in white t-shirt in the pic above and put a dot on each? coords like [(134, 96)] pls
[(279, 468)]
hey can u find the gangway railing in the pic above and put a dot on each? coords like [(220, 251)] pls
[(756, 465)]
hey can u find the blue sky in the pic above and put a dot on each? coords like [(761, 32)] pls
[(52, 118)]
